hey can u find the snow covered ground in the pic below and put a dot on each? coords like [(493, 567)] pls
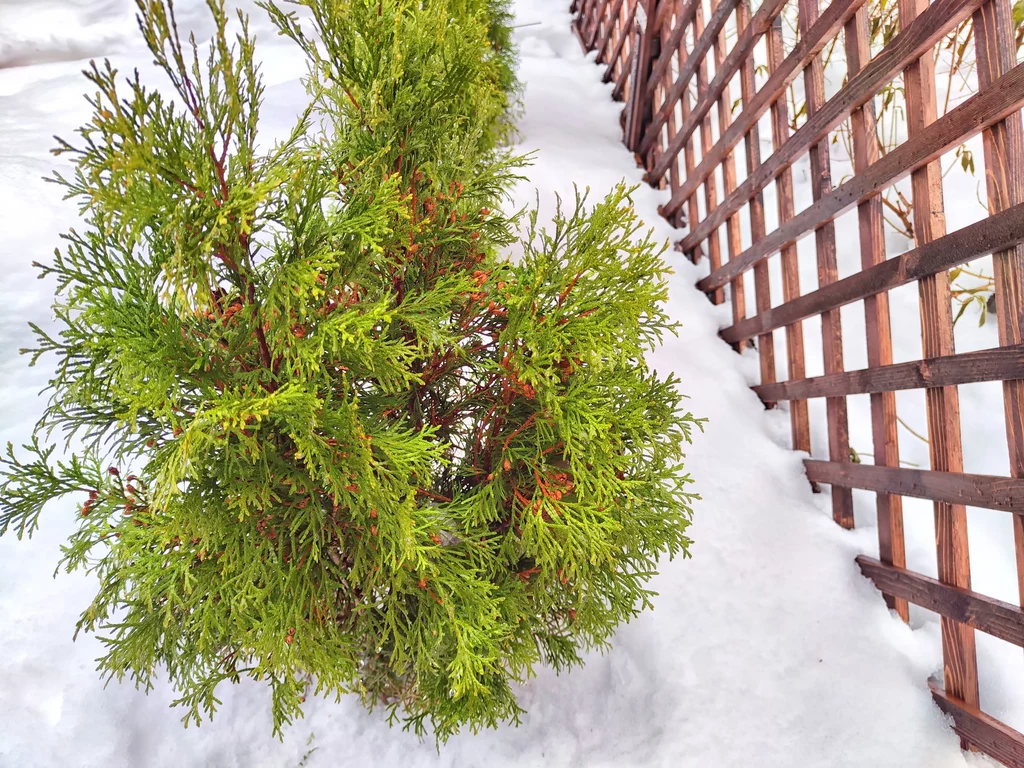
[(766, 649)]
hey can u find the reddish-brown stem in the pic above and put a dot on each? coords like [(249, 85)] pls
[(565, 292), (525, 425), (352, 98), (433, 495)]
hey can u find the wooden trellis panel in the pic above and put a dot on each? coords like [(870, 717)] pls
[(676, 63)]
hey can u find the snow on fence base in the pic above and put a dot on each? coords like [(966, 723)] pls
[(659, 54)]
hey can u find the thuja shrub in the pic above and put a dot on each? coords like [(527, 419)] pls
[(321, 433)]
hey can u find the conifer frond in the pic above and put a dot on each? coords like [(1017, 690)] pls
[(322, 433)]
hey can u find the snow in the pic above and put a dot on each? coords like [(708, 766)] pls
[(86, 28), (767, 648)]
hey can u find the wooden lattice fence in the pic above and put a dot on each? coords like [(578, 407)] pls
[(685, 129)]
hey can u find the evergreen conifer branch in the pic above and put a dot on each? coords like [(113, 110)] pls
[(323, 434)]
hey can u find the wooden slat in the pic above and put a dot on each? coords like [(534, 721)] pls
[(717, 296), (612, 26), (828, 270), (577, 28), (809, 46), (599, 20), (693, 212), (585, 22), (941, 16), (578, 9), (982, 731), (624, 33), (997, 618), (998, 232), (662, 12), (987, 491), (884, 434), (684, 18), (701, 47), (674, 175), (658, 97), (980, 111), (1003, 143), (999, 364), (752, 145), (733, 238), (741, 53), (959, 656), (626, 71), (638, 106), (659, 92), (798, 415)]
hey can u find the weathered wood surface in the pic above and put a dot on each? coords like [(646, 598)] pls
[(828, 269), (995, 617), (998, 232), (986, 108), (871, 226), (992, 737), (796, 362), (945, 450), (999, 364), (752, 148), (1003, 143), (988, 491)]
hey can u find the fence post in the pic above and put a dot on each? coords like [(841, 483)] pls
[(639, 108)]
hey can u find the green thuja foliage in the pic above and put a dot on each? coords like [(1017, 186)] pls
[(321, 434)]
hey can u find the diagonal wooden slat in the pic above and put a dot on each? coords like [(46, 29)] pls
[(999, 364), (996, 617), (740, 53), (986, 733), (625, 32), (610, 28), (988, 491), (996, 233), (995, 739), (1005, 97), (909, 45), (686, 17)]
